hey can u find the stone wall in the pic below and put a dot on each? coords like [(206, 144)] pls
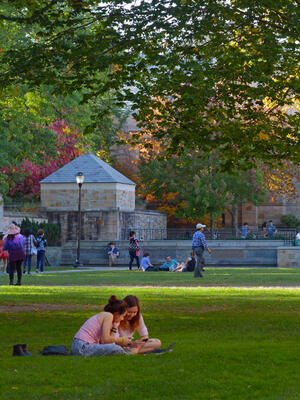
[(10, 217), (94, 196), (288, 257), (149, 225), (53, 255), (225, 253), (108, 225)]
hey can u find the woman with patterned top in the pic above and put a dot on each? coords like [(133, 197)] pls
[(30, 249)]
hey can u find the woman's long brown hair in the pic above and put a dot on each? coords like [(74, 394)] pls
[(132, 301)]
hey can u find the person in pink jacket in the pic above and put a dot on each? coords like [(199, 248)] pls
[(14, 244)]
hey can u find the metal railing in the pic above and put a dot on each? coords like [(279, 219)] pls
[(145, 234), (285, 234)]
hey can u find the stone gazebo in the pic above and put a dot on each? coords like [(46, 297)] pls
[(107, 203)]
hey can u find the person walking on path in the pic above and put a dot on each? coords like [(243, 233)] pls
[(30, 249), (199, 245), (41, 245), (14, 244), (134, 250)]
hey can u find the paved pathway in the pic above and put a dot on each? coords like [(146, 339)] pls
[(57, 271)]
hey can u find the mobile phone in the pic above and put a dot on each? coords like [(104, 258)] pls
[(145, 340)]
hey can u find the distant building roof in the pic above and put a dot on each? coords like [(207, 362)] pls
[(94, 169)]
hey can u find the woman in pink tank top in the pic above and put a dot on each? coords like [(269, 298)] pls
[(98, 336), (132, 322)]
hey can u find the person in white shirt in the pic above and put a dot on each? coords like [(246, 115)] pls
[(134, 322)]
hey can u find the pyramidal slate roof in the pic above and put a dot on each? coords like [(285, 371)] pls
[(94, 169)]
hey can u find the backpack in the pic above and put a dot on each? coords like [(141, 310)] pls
[(59, 350), (133, 245)]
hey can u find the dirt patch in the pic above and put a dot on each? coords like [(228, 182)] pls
[(13, 308)]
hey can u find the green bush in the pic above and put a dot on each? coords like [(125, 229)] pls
[(52, 231), (290, 221)]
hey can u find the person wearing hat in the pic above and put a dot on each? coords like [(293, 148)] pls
[(199, 245), (14, 244)]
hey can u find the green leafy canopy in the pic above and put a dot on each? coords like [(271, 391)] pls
[(207, 74)]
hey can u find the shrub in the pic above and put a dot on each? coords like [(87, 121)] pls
[(52, 231), (290, 221)]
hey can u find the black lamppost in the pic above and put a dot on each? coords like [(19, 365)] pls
[(79, 180)]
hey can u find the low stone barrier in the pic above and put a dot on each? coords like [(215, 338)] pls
[(225, 253), (288, 257)]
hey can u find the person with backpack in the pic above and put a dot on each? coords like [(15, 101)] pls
[(14, 244), (134, 250)]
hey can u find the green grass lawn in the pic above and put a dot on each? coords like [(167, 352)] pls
[(212, 276), (232, 343)]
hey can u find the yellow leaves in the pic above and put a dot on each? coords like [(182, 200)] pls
[(66, 130), (150, 197), (170, 196), (233, 44), (116, 68), (263, 136)]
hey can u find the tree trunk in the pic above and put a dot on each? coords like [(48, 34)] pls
[(234, 214), (212, 227)]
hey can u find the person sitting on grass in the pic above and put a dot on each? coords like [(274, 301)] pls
[(169, 265), (146, 264), (134, 322), (188, 266), (97, 336)]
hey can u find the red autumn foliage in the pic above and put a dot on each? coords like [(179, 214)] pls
[(24, 180)]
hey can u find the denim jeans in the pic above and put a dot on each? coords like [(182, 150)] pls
[(132, 257), (199, 251), (40, 258), (27, 262), (81, 348)]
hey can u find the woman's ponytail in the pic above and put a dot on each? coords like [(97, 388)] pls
[(115, 305)]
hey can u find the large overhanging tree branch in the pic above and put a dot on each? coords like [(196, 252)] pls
[(207, 74)]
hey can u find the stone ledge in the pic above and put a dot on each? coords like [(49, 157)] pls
[(288, 257)]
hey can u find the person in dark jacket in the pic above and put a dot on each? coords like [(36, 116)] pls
[(41, 244), (134, 250), (14, 244)]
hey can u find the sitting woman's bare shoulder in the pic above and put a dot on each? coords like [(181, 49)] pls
[(104, 316)]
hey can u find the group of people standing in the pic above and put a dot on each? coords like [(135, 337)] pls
[(18, 249)]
